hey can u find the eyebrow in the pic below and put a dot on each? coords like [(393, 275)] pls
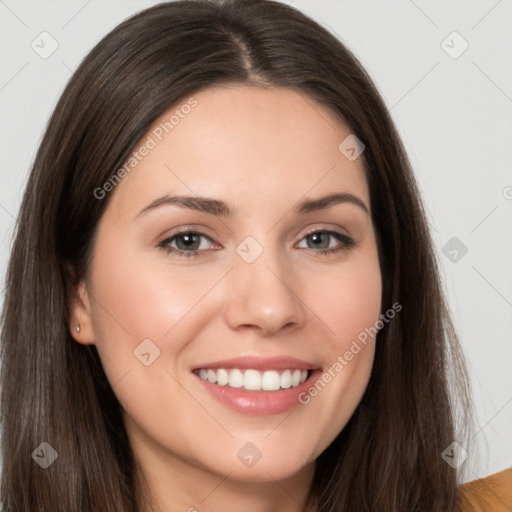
[(220, 208)]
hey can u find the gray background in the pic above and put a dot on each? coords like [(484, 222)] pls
[(454, 115)]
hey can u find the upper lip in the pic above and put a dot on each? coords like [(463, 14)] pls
[(259, 363)]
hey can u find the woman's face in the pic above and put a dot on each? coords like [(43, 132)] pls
[(264, 288)]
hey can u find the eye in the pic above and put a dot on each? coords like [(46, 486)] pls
[(194, 243), (186, 243), (324, 241)]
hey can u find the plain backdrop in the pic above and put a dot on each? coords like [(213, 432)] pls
[(444, 69)]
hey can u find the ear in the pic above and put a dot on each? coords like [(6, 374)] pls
[(80, 315)]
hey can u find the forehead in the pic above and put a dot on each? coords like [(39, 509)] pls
[(247, 145)]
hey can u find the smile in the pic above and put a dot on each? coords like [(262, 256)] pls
[(254, 380)]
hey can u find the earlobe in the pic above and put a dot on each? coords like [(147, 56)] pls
[(81, 325)]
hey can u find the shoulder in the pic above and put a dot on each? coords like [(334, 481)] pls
[(489, 494)]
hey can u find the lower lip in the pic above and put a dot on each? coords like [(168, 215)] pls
[(261, 403)]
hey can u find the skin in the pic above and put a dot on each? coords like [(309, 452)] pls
[(292, 300)]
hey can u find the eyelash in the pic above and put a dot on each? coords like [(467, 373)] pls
[(346, 243)]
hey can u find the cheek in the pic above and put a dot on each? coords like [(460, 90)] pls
[(349, 306), (348, 301), (137, 299), (126, 308)]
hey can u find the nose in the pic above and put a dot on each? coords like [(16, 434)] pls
[(264, 295)]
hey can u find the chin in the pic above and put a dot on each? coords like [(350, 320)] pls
[(267, 469)]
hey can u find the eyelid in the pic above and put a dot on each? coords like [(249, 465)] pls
[(198, 229), (335, 231)]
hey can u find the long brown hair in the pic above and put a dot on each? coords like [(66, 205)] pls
[(388, 457)]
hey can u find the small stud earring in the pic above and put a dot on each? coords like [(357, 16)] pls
[(77, 328)]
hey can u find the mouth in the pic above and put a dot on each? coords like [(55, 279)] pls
[(257, 386), (251, 379)]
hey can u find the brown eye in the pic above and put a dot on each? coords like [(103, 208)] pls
[(187, 243)]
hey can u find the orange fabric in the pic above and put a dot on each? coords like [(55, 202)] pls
[(490, 494)]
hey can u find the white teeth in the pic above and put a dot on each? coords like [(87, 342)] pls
[(236, 379), (254, 380), (286, 379), (222, 377), (270, 381), (296, 376)]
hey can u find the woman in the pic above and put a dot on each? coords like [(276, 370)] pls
[(209, 303)]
